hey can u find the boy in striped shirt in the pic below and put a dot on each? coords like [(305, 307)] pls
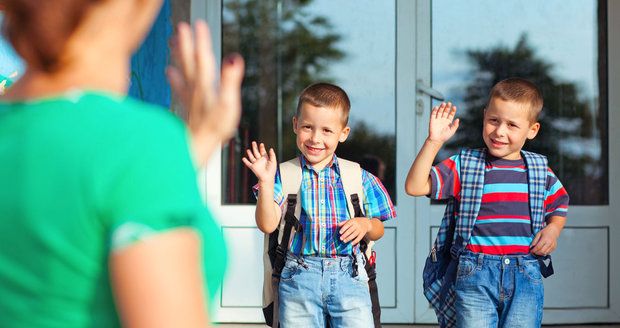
[(498, 282), (318, 281)]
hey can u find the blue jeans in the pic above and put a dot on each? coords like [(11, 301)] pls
[(315, 288), (498, 291)]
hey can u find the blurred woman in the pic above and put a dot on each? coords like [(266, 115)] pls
[(101, 222)]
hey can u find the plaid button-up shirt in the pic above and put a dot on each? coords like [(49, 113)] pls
[(324, 205)]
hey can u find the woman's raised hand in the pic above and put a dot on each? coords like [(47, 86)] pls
[(212, 113)]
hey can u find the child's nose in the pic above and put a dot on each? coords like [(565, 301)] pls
[(315, 136), (501, 130)]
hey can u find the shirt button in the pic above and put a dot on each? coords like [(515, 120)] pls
[(506, 261), (322, 202)]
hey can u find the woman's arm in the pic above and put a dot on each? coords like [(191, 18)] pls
[(158, 282)]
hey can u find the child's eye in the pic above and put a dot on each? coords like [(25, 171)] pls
[(306, 127), (327, 131)]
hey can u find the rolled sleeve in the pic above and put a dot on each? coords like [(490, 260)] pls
[(378, 203)]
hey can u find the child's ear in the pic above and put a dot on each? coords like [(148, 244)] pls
[(344, 134), (295, 124), (533, 131)]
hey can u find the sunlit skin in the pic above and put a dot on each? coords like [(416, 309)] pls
[(506, 127), (319, 130)]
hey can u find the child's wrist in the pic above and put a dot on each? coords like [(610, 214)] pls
[(266, 183), (437, 143)]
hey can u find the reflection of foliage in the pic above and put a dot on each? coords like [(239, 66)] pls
[(363, 141), (284, 52), (286, 48), (565, 114)]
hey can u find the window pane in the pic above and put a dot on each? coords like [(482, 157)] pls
[(560, 46), (11, 66), (290, 44)]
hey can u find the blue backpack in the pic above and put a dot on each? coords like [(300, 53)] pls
[(457, 224)]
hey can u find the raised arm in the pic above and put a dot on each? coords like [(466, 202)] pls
[(212, 113), (442, 127), (264, 165)]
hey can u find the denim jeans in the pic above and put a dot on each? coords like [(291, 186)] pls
[(498, 291), (313, 289)]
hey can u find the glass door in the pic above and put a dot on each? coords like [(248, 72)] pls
[(288, 45)]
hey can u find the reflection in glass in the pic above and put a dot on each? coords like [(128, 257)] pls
[(560, 46), (289, 44)]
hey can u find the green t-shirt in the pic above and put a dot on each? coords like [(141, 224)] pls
[(83, 174)]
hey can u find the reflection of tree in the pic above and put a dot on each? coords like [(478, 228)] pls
[(567, 118), (364, 142), (286, 48)]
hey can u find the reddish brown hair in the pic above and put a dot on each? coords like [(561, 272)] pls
[(521, 91), (39, 29), (325, 95)]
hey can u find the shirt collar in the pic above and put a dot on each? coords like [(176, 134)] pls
[(332, 164)]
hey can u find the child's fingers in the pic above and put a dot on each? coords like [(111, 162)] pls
[(349, 235), (262, 149), (255, 150), (272, 155), (250, 156), (246, 162), (434, 112), (455, 125), (451, 112)]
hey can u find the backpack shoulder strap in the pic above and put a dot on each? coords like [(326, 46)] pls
[(536, 178), (351, 178), (290, 176), (472, 184)]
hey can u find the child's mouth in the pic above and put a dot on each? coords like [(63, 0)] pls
[(498, 144), (313, 150)]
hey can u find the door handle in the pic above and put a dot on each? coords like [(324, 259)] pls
[(425, 89)]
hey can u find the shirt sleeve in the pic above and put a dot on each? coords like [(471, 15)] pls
[(556, 200), (377, 203), (278, 197), (149, 181), (445, 179)]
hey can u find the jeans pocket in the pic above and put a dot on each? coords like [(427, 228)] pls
[(290, 269), (532, 271), (465, 268)]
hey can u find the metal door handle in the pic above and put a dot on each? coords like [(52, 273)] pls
[(423, 88)]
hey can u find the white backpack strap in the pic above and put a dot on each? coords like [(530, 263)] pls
[(290, 176), (351, 178)]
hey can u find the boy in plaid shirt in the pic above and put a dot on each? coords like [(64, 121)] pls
[(498, 280), (317, 281)]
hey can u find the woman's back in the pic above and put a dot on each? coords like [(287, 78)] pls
[(83, 175)]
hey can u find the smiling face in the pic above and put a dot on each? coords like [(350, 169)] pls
[(506, 127), (319, 130)]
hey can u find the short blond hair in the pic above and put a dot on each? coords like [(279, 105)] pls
[(324, 94), (519, 90)]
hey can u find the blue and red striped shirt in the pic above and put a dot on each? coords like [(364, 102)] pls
[(324, 205), (503, 225)]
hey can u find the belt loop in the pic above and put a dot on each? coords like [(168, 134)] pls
[(480, 259), (520, 260)]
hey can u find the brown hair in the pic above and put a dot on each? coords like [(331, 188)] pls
[(39, 29), (325, 95), (519, 90)]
